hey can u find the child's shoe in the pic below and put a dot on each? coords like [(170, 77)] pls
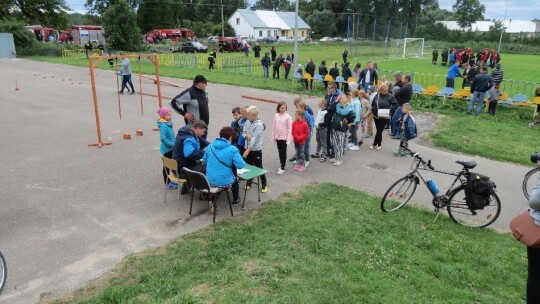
[(301, 168)]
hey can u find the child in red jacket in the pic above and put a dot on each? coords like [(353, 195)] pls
[(300, 132)]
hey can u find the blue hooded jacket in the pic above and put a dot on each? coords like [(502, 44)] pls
[(188, 148), (219, 157), (166, 136)]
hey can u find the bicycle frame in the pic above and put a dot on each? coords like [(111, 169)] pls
[(428, 167)]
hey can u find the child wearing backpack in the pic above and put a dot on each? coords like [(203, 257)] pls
[(408, 130)]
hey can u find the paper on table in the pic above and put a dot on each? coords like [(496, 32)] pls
[(242, 171)]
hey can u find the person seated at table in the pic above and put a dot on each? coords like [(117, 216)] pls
[(188, 149), (222, 159)]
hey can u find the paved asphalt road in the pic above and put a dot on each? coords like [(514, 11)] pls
[(71, 212)]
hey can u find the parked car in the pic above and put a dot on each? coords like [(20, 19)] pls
[(348, 40), (326, 39), (337, 39), (213, 39), (266, 39), (192, 47), (304, 39), (285, 39)]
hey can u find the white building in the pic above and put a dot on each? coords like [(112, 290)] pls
[(258, 23), (511, 26)]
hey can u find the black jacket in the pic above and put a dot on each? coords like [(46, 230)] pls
[(404, 94), (201, 98), (323, 70), (310, 68), (383, 102), (334, 72), (346, 72), (481, 83), (373, 77)]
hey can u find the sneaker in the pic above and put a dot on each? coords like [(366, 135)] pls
[(378, 148), (350, 145), (338, 163), (280, 171), (172, 185), (371, 147), (316, 155), (294, 162), (211, 207), (264, 189), (247, 186), (301, 168), (292, 159), (236, 201), (332, 160), (307, 164), (354, 148), (360, 143), (184, 189), (322, 159), (132, 93), (120, 92)]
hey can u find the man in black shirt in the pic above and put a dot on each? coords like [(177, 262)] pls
[(403, 96), (192, 103)]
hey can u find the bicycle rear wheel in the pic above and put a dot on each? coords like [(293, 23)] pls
[(460, 213), (529, 180), (399, 193), (3, 272)]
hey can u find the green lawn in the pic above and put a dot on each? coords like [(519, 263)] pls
[(326, 244)]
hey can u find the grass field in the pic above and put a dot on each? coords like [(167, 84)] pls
[(326, 244)]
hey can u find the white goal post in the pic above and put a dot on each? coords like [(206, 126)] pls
[(407, 47)]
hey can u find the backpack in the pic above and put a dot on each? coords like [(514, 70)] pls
[(478, 191), (410, 128)]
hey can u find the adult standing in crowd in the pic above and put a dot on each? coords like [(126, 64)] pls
[(257, 50), (331, 98), (497, 75), (453, 72), (403, 96), (192, 103), (212, 59), (382, 101), (346, 74), (323, 71), (355, 72), (189, 148), (468, 75), (345, 55), (87, 48), (371, 93), (273, 53), (126, 74), (310, 69), (287, 62), (277, 64), (444, 57), (265, 62), (480, 85), (368, 76), (222, 159)]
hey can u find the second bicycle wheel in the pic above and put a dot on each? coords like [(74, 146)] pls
[(529, 180), (3, 272), (399, 193), (460, 213)]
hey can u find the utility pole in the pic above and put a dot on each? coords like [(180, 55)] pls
[(502, 29), (222, 21), (295, 61)]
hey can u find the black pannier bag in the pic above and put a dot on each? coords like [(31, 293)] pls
[(478, 190)]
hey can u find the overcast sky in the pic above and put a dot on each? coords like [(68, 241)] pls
[(517, 9)]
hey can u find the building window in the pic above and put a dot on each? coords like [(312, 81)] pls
[(275, 33), (268, 33), (237, 21), (303, 35), (260, 33)]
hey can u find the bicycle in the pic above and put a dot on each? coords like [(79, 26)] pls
[(3, 272), (454, 200), (529, 180)]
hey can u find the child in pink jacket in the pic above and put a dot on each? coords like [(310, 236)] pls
[(281, 133)]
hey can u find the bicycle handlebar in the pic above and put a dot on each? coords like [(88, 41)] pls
[(417, 156)]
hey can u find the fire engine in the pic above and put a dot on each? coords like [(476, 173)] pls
[(179, 34)]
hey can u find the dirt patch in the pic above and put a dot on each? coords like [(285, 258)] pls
[(200, 289)]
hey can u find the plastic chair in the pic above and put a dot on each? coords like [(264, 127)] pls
[(417, 88), (197, 180), (328, 77), (352, 79), (171, 167), (445, 93), (318, 78), (295, 77), (308, 77), (536, 102), (520, 98), (430, 90), (504, 99), (340, 79), (462, 94)]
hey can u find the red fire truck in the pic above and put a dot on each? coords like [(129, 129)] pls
[(43, 34), (179, 34), (81, 34), (230, 44)]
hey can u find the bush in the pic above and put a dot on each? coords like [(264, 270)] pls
[(22, 38)]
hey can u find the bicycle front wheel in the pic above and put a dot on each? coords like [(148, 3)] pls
[(3, 272), (529, 180), (459, 211), (399, 193)]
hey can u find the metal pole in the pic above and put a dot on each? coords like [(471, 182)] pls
[(295, 61), (349, 30), (373, 39), (502, 30), (400, 29), (387, 37), (357, 31), (222, 21)]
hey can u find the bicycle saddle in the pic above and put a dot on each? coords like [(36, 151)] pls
[(467, 164)]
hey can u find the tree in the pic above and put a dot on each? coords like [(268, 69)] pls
[(98, 7), (468, 12), (120, 25), (274, 5), (318, 20), (22, 38), (49, 13), (149, 9)]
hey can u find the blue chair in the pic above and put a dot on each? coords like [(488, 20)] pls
[(340, 79), (445, 93), (295, 77), (417, 88), (520, 98)]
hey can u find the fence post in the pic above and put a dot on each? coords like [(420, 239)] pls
[(249, 66), (373, 39)]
